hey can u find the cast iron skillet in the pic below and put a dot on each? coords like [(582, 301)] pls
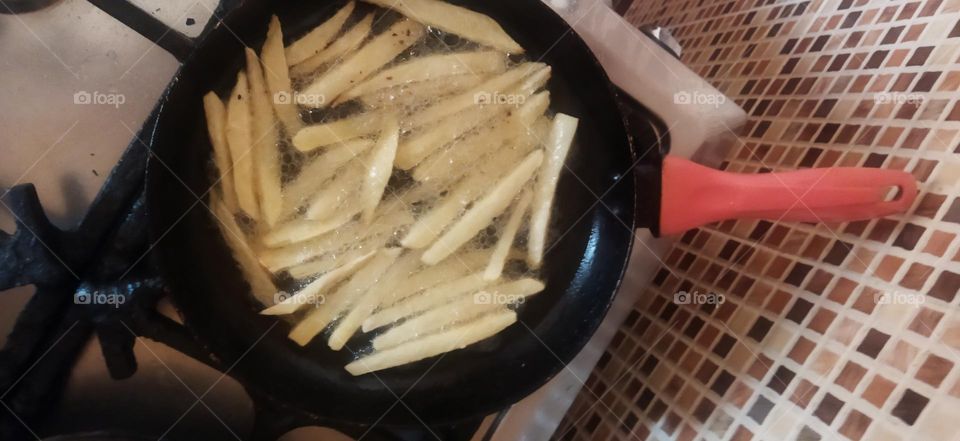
[(582, 271)]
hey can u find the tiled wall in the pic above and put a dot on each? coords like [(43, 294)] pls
[(823, 332)]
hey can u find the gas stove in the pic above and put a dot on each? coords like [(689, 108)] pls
[(94, 346)]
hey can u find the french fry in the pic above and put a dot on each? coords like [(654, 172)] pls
[(318, 39), (320, 135), (417, 147), (381, 167), (489, 138), (216, 114), (299, 230), (416, 95), (433, 223), (431, 297), (277, 76), (310, 292), (364, 307), (436, 297), (507, 236), (458, 266), (455, 338), (329, 261), (348, 293), (343, 187), (298, 192), (346, 43), (367, 60), (265, 141), (558, 146), (240, 141), (499, 84), (484, 210), (455, 20), (388, 221), (431, 67), (459, 311), (260, 282)]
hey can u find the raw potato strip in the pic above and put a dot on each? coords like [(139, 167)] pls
[(365, 306), (331, 261), (558, 146), (507, 236), (484, 210), (430, 297), (489, 138), (265, 142), (317, 39), (343, 187), (313, 137), (429, 68), (347, 43), (260, 282), (346, 295), (432, 224), (381, 167), (300, 230), (319, 170), (216, 114), (309, 292), (277, 76), (415, 95), (416, 148), (446, 341), (469, 98), (458, 266), (240, 141), (387, 221), (455, 20), (435, 298), (364, 62)]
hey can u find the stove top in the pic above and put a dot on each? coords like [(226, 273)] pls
[(94, 346)]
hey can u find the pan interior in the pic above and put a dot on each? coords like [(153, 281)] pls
[(592, 231)]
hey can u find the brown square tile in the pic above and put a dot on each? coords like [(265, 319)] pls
[(828, 408), (850, 376), (916, 276), (888, 267), (873, 343), (926, 321), (934, 370), (910, 406), (878, 390), (803, 393), (946, 286), (855, 425), (939, 242), (822, 320)]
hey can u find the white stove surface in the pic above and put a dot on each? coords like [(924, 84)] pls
[(67, 150)]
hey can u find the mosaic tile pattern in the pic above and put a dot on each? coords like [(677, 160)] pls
[(817, 332)]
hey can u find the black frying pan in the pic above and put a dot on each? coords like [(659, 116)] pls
[(582, 271)]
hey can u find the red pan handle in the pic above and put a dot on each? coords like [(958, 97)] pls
[(694, 195)]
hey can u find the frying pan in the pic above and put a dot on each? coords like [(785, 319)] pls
[(612, 186)]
